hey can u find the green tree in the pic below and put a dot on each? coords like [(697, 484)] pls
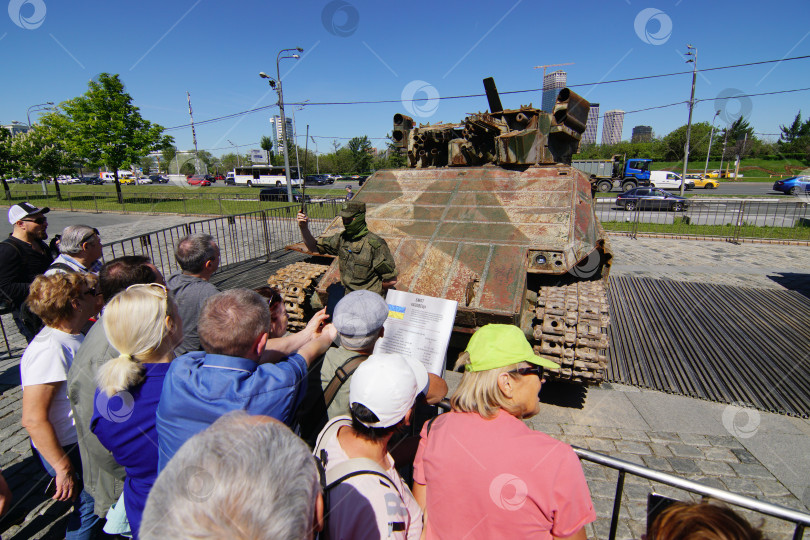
[(42, 152), (673, 142), (795, 138), (8, 162), (105, 127), (738, 130), (266, 143), (360, 150)]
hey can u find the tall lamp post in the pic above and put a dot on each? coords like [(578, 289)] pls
[(235, 149), (28, 112), (317, 166), (295, 138), (709, 151), (692, 53), (264, 75)]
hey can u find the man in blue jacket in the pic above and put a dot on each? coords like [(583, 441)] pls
[(202, 386)]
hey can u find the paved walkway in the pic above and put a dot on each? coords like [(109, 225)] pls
[(759, 454)]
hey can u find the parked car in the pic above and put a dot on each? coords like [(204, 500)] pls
[(702, 181), (67, 180), (793, 185), (143, 180), (279, 193), (216, 177), (316, 180), (198, 180), (24, 180), (332, 177), (92, 180), (668, 180), (650, 198), (159, 179), (230, 179)]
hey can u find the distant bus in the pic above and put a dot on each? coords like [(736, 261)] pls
[(263, 175)]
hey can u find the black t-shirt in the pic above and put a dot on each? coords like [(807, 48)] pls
[(19, 265)]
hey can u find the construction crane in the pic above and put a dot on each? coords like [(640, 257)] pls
[(552, 65)]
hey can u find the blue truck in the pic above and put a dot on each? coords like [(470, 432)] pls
[(618, 172)]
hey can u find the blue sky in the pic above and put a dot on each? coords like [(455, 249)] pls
[(367, 51)]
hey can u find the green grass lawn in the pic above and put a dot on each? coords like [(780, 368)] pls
[(773, 168), (682, 228)]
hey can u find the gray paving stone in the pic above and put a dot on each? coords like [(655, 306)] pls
[(751, 470), (603, 446), (710, 481), (603, 507), (744, 455), (574, 440), (771, 488), (715, 468), (685, 451), (660, 449), (743, 486), (725, 441), (694, 440), (632, 447), (636, 493), (657, 463), (683, 465), (575, 429), (606, 432), (636, 510), (549, 429), (716, 453), (634, 435), (663, 437)]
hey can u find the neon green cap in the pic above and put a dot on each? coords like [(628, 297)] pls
[(499, 345)]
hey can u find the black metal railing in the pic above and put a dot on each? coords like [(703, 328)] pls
[(240, 237)]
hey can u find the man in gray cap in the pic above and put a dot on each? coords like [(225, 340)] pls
[(364, 259), (23, 256), (358, 319)]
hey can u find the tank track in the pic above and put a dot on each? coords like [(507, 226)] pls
[(296, 283), (570, 328)]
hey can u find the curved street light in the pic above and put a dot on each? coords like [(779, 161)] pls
[(28, 112), (277, 85)]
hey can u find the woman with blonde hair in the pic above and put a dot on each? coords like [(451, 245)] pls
[(480, 472), (143, 325), (64, 302)]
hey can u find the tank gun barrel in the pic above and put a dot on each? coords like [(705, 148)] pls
[(493, 97)]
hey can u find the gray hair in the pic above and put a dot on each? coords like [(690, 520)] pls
[(231, 321), (194, 250), (358, 343), (239, 479), (73, 237)]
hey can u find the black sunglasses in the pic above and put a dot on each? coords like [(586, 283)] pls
[(88, 236), (536, 370), (39, 221)]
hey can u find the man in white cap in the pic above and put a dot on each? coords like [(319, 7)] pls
[(365, 496), (23, 256), (358, 318)]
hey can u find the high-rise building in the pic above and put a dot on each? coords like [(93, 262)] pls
[(612, 127), (552, 84), (16, 128), (278, 137), (592, 126), (642, 134)]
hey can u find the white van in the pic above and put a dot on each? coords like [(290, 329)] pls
[(667, 180)]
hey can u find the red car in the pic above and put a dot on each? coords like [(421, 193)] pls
[(198, 180)]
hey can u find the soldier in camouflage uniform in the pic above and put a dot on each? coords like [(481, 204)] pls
[(364, 260)]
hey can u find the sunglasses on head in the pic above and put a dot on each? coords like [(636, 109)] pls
[(89, 235), (536, 370), (38, 220)]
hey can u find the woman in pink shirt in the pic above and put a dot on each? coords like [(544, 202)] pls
[(480, 472)]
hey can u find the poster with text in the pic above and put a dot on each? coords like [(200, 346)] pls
[(418, 326)]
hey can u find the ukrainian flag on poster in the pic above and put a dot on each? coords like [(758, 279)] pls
[(396, 312)]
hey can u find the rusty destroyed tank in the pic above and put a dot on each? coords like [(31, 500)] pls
[(491, 213)]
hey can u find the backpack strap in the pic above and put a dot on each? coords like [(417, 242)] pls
[(349, 468), (62, 266), (342, 374)]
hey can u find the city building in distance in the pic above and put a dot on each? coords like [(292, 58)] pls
[(612, 127), (592, 126), (278, 138), (642, 134), (16, 128), (552, 84)]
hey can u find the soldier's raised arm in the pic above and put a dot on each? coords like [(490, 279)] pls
[(309, 240)]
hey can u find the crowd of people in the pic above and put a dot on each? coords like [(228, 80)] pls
[(169, 409)]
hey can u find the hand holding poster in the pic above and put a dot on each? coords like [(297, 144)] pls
[(418, 326)]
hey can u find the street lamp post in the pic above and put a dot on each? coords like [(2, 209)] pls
[(709, 151), (692, 53), (236, 149), (264, 75), (295, 139), (28, 112), (317, 166)]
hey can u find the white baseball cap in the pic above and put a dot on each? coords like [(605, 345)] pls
[(387, 384), (20, 210)]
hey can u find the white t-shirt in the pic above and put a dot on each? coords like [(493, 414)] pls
[(364, 506), (47, 360)]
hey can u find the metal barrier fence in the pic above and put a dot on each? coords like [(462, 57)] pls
[(801, 520), (734, 220), (189, 201), (240, 237)]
